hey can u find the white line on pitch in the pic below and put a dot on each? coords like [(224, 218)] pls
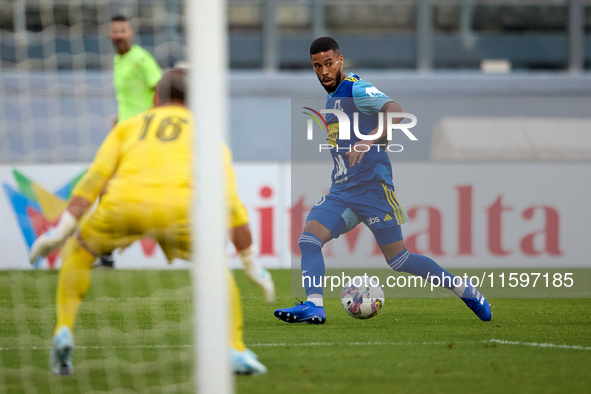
[(99, 347), (501, 342), (346, 344), (550, 345), (111, 299), (304, 344), (312, 344)]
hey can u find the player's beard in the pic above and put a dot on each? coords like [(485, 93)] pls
[(330, 89), (121, 46)]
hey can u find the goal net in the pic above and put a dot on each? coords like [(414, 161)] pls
[(134, 330)]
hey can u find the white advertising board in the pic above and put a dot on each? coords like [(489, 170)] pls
[(262, 188), (469, 216), (462, 215)]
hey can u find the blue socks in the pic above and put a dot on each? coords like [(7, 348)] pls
[(422, 266), (312, 263), (313, 269)]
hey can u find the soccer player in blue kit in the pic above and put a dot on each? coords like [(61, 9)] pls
[(362, 190)]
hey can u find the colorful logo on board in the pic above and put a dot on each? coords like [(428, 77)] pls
[(36, 208)]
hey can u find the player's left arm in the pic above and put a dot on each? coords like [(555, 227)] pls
[(370, 101), (151, 71), (83, 196)]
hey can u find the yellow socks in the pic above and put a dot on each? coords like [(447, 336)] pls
[(73, 282), (236, 321)]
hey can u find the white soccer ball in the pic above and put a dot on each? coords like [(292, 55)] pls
[(361, 298)]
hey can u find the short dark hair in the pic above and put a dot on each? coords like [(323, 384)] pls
[(119, 18), (173, 85), (324, 44)]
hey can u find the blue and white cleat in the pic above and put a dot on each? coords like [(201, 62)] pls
[(477, 302), (304, 312), (246, 363), (60, 358), (480, 306)]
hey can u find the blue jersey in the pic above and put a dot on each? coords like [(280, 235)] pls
[(355, 95)]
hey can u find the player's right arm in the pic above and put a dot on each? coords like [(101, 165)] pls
[(83, 196)]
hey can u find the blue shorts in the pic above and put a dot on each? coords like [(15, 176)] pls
[(374, 204)]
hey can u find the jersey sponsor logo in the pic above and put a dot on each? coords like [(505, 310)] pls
[(372, 221), (374, 92), (332, 134)]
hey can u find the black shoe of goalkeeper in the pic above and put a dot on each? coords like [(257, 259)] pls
[(106, 260)]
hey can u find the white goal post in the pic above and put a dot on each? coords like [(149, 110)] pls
[(208, 95)]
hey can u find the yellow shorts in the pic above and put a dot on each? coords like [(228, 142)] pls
[(117, 224)]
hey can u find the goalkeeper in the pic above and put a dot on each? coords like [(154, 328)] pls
[(147, 162)]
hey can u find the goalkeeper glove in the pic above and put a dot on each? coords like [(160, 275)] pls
[(258, 273), (53, 238)]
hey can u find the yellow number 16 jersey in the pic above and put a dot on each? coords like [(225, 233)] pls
[(146, 163), (145, 158)]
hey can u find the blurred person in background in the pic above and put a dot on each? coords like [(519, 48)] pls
[(135, 71)]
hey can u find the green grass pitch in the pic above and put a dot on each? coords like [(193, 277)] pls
[(133, 334)]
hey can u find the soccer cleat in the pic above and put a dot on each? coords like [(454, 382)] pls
[(246, 363), (480, 307), (304, 312), (479, 304), (60, 358), (105, 260)]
